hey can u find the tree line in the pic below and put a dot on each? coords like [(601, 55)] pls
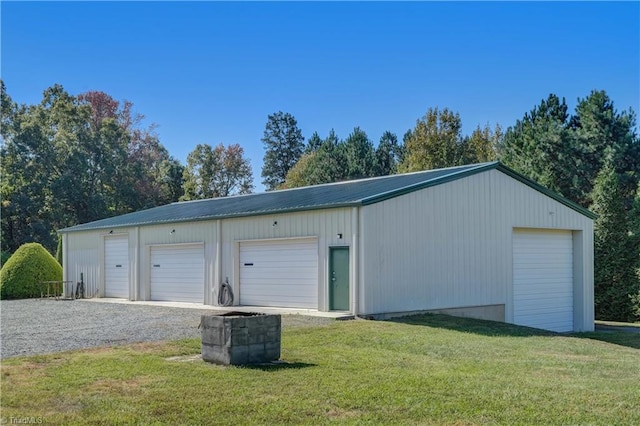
[(435, 142), (74, 159)]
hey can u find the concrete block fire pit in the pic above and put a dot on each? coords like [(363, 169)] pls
[(236, 338)]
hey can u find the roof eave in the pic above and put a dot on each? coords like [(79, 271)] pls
[(546, 191), (432, 182), (212, 217)]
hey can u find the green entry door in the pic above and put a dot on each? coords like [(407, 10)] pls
[(339, 278)]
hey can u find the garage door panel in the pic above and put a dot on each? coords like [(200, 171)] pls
[(543, 279), (116, 266), (282, 292), (546, 308), (294, 274), (560, 298), (542, 289), (279, 273), (177, 273), (256, 267)]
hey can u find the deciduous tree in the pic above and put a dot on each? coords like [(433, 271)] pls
[(324, 165), (216, 172), (434, 142), (70, 160), (481, 146)]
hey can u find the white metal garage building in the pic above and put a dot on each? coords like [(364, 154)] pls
[(477, 240)]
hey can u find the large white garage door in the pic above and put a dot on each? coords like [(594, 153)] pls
[(177, 273), (279, 273), (543, 279), (116, 266)]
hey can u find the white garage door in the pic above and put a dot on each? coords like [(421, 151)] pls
[(543, 279), (116, 266), (177, 273), (279, 273)]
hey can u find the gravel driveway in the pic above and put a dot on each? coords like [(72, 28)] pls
[(33, 326)]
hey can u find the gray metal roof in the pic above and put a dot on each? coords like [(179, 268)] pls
[(341, 194)]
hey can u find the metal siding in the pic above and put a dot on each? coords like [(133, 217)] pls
[(281, 273), (324, 225), (450, 245), (177, 273), (82, 254)]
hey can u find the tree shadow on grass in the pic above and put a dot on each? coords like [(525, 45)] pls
[(278, 365), (498, 329), (616, 337), (470, 325)]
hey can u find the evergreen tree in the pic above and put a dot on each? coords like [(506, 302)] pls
[(313, 143), (359, 155), (541, 147), (284, 145), (387, 155), (616, 256), (635, 243), (598, 128)]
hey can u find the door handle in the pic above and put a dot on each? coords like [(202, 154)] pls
[(333, 279)]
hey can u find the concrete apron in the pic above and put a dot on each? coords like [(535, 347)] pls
[(187, 305)]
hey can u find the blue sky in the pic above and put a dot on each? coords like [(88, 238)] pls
[(211, 72)]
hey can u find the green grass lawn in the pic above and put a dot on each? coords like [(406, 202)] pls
[(432, 369)]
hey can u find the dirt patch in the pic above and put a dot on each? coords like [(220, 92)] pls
[(185, 358)]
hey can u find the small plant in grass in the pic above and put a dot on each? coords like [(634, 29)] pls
[(31, 264)]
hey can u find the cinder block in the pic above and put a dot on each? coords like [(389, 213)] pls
[(215, 354), (272, 351), (272, 320), (273, 335), (256, 353), (236, 322), (239, 355), (240, 336), (241, 339), (256, 335), (210, 336)]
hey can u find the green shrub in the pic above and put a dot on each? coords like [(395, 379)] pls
[(20, 277)]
